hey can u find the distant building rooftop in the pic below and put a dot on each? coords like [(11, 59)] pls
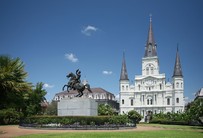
[(199, 94)]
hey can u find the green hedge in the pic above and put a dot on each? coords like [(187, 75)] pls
[(170, 122), (81, 120)]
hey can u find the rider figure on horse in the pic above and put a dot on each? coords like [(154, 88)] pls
[(75, 80)]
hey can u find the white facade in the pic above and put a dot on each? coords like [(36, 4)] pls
[(150, 92)]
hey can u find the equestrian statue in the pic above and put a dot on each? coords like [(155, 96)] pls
[(75, 83)]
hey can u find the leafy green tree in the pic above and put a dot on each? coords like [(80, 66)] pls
[(134, 116), (13, 84), (105, 109), (52, 108), (35, 99), (195, 110)]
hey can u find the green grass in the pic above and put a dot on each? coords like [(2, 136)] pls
[(143, 134), (179, 127), (171, 131)]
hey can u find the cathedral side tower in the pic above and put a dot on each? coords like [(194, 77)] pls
[(178, 85), (124, 87)]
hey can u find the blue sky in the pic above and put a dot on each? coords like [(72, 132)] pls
[(55, 37)]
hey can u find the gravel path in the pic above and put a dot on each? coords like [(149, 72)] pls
[(14, 130)]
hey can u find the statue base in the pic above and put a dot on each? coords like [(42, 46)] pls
[(77, 107)]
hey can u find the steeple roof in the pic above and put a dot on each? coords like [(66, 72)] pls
[(177, 68), (150, 48), (124, 74)]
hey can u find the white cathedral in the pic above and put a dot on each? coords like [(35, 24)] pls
[(151, 94)]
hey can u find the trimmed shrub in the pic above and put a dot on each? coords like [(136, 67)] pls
[(170, 118), (61, 121), (134, 116)]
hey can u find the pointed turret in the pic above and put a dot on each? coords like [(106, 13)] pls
[(124, 74), (177, 68), (150, 48)]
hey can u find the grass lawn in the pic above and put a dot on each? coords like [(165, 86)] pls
[(144, 134), (171, 131), (178, 127)]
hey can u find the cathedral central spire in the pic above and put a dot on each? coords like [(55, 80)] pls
[(150, 48)]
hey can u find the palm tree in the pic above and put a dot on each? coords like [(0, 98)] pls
[(12, 82)]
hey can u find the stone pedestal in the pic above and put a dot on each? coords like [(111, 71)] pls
[(77, 107)]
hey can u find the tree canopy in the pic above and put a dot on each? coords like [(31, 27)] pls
[(18, 97)]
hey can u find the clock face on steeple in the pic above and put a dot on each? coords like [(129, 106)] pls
[(149, 82)]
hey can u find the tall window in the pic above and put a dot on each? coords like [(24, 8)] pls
[(177, 100), (168, 101), (177, 85), (152, 70), (122, 101), (122, 88), (139, 87), (147, 71), (160, 86), (155, 97), (127, 88), (131, 102), (151, 102)]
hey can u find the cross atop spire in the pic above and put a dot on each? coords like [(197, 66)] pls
[(177, 68), (150, 17), (124, 74), (150, 48)]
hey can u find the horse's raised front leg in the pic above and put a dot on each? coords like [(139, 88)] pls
[(65, 86)]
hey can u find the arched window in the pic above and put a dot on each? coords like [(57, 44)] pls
[(126, 88), (139, 87), (122, 101), (122, 88), (151, 102), (168, 101), (177, 85), (181, 85), (160, 86), (177, 100), (147, 70), (131, 102), (152, 70)]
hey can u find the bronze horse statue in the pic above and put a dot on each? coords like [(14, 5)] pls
[(75, 84)]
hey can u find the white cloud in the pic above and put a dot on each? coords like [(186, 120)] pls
[(88, 30), (71, 57), (117, 98), (105, 72), (187, 100), (46, 85)]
